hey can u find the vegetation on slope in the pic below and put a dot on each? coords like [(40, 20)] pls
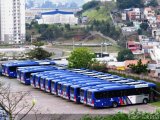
[(99, 12)]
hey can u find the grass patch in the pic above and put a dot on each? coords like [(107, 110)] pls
[(157, 104), (101, 14)]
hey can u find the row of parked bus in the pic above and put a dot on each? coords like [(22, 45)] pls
[(92, 88)]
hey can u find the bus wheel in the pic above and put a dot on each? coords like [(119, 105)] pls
[(114, 104), (145, 101)]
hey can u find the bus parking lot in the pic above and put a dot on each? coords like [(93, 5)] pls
[(50, 104)]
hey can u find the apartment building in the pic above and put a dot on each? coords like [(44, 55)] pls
[(12, 21)]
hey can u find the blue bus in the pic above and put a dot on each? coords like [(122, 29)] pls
[(9, 69), (75, 90), (19, 69), (43, 80), (73, 81), (110, 77), (25, 75), (54, 83), (50, 78), (83, 90), (66, 85), (102, 75), (39, 79), (35, 76), (115, 96)]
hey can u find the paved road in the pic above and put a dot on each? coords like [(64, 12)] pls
[(50, 104)]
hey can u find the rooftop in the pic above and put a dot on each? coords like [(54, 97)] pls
[(57, 12)]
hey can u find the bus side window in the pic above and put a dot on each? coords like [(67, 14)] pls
[(99, 95), (12, 68), (130, 92), (116, 93)]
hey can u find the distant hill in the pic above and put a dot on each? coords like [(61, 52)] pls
[(100, 12)]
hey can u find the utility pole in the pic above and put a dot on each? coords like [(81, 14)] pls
[(101, 49), (31, 39), (106, 46), (73, 44)]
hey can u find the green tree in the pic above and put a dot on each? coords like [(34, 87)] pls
[(139, 68), (125, 54), (96, 65), (39, 53), (123, 4), (129, 23), (90, 5), (153, 3), (81, 58), (67, 26), (139, 32), (144, 26)]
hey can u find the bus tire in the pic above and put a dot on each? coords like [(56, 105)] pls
[(145, 101), (114, 104)]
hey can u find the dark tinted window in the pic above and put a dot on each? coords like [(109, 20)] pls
[(41, 80), (78, 90), (120, 93), (46, 82), (72, 90), (28, 75), (52, 84), (36, 78), (59, 86), (31, 77), (12, 68), (112, 94), (98, 95)]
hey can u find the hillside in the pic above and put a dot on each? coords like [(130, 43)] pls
[(101, 12)]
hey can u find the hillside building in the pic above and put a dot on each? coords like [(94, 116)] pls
[(62, 17)]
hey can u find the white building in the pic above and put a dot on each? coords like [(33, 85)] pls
[(62, 17), (156, 34), (154, 53), (12, 21)]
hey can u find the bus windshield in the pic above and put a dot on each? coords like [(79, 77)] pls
[(46, 82), (59, 86), (64, 88), (89, 94), (41, 80), (52, 84), (82, 92)]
